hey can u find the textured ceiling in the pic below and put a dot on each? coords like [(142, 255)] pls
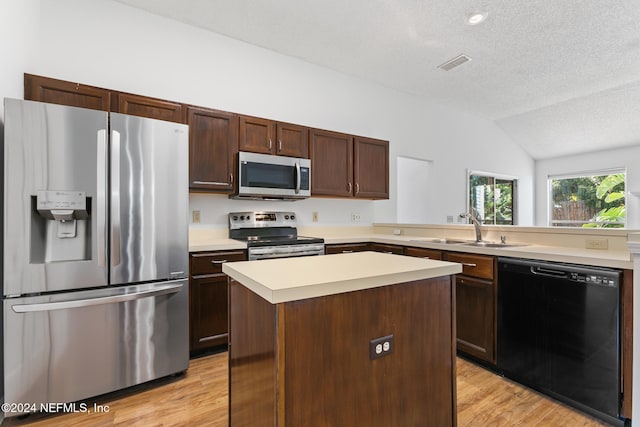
[(559, 76)]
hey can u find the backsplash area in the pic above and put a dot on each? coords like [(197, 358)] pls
[(330, 212)]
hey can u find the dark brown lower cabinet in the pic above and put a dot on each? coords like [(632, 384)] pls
[(475, 312), (208, 300), (307, 362)]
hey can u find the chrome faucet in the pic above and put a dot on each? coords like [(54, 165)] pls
[(475, 218)]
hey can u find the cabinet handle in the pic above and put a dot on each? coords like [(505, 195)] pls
[(222, 261), (350, 187), (346, 251), (425, 257), (357, 188), (467, 264), (270, 145), (231, 176), (280, 145)]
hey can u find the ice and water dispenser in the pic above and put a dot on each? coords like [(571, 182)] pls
[(60, 226)]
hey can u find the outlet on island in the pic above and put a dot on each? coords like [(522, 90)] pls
[(380, 347), (355, 217)]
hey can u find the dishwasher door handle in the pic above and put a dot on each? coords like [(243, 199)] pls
[(542, 271)]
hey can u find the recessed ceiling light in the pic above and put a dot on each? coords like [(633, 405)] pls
[(476, 17)]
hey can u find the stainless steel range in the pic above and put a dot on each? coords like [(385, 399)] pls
[(272, 235)]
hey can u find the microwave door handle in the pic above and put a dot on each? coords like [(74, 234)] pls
[(298, 180)]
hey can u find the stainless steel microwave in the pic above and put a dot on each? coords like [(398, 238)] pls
[(264, 176)]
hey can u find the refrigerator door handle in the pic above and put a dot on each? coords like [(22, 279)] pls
[(115, 198), (101, 195), (170, 288)]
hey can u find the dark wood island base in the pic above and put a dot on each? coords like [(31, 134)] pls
[(307, 362)]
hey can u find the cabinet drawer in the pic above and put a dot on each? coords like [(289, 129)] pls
[(423, 253), (473, 265), (211, 262), (346, 248), (388, 249)]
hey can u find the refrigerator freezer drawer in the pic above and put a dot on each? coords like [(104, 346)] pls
[(68, 347)]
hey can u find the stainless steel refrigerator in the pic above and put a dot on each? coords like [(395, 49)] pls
[(95, 252)]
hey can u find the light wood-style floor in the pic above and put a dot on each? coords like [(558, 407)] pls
[(200, 399)]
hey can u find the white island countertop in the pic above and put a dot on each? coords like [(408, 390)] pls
[(291, 279)]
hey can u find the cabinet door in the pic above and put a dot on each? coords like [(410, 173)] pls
[(371, 169), (44, 89), (257, 135), (475, 317), (423, 253), (331, 163), (213, 144), (209, 311), (208, 306), (152, 108), (293, 140)]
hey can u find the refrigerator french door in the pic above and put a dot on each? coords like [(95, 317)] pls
[(95, 253)]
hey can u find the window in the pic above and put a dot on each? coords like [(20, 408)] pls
[(590, 199), (493, 197)]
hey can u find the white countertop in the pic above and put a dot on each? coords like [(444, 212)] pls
[(595, 257), (291, 279)]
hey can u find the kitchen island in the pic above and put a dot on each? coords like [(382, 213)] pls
[(350, 339)]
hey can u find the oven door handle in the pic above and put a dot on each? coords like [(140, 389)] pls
[(298, 180), (287, 255)]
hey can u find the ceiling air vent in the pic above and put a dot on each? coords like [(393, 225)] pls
[(453, 63)]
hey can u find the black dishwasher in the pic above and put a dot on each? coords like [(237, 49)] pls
[(559, 332)]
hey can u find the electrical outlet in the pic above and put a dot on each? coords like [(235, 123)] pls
[(380, 347), (355, 216), (597, 244), (450, 219), (314, 216), (195, 216)]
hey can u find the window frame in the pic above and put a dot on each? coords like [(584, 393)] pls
[(582, 174), (495, 176)]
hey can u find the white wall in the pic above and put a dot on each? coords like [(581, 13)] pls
[(18, 34), (414, 179), (107, 44), (628, 158)]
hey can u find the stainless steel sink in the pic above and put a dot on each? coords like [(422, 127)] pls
[(446, 240), (494, 244)]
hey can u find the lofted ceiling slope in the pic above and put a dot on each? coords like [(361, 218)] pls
[(559, 77)]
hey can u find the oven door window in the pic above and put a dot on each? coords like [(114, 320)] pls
[(264, 175)]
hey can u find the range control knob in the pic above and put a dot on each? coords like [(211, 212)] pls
[(241, 217), (235, 217), (293, 217), (286, 217)]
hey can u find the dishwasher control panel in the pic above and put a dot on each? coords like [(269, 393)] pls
[(593, 279)]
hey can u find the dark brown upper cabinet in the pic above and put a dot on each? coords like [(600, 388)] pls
[(346, 166), (371, 168), (53, 91), (257, 135), (265, 136), (213, 145), (331, 163), (293, 140), (152, 108)]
